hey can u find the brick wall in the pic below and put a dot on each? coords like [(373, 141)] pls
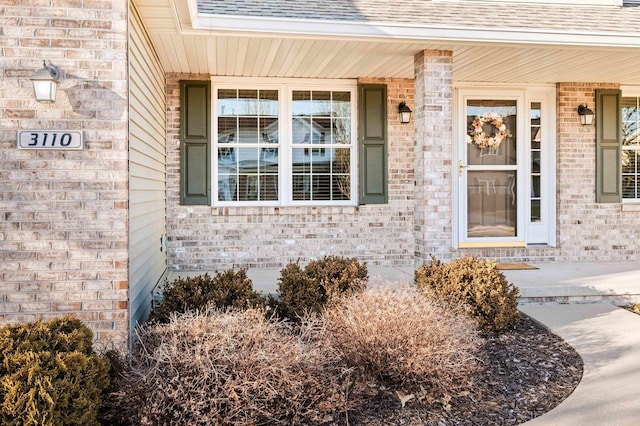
[(587, 230), (418, 219), (63, 214), (206, 238)]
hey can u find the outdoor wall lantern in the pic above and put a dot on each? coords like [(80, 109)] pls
[(405, 113), (45, 83), (586, 115)]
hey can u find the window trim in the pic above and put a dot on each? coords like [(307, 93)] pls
[(285, 88), (629, 92)]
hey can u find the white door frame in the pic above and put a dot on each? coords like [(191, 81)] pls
[(524, 95)]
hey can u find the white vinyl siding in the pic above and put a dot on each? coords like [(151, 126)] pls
[(147, 170)]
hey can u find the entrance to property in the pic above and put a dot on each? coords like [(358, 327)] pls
[(505, 178)]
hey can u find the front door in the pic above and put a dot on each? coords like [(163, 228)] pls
[(503, 185)]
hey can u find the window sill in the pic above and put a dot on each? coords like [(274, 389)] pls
[(631, 207), (281, 210)]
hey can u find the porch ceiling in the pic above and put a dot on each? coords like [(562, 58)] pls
[(183, 49)]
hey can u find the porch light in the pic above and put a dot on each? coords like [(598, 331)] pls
[(586, 115), (405, 113), (45, 83)]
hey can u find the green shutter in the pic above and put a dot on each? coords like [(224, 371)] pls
[(372, 138), (195, 142), (608, 146)]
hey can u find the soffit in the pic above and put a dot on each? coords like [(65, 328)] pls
[(183, 49)]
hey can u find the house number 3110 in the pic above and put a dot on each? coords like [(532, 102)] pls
[(49, 139)]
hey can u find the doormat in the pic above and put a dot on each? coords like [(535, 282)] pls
[(514, 266)]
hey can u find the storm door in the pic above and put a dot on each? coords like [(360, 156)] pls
[(504, 174), (490, 170)]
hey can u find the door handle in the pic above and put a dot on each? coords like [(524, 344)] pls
[(461, 167)]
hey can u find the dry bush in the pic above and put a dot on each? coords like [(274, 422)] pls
[(228, 368), (403, 341), (474, 284), (309, 290)]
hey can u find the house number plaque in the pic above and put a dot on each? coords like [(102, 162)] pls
[(50, 139)]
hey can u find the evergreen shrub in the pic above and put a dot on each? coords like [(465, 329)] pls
[(474, 284), (309, 290), (49, 374), (227, 289)]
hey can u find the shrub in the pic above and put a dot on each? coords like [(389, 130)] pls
[(308, 291), (476, 285), (111, 413), (223, 290), (230, 368), (50, 374), (634, 308), (404, 341)]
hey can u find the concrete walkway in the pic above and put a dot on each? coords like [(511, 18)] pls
[(608, 340)]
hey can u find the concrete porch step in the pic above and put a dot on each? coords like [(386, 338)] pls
[(576, 283), (570, 283), (617, 300)]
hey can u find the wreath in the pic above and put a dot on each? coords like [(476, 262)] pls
[(482, 139)]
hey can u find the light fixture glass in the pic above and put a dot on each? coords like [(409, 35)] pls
[(405, 113), (586, 115), (45, 83)]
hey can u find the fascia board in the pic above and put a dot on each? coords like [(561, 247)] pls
[(380, 31)]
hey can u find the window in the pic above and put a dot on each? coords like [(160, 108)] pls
[(630, 148), (247, 148), (284, 145), (321, 145), (276, 142)]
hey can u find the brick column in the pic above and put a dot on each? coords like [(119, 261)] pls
[(433, 154)]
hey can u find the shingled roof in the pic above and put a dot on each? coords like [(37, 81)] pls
[(468, 14)]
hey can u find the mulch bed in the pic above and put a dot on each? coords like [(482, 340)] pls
[(528, 371)]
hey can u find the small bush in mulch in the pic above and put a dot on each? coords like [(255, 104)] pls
[(308, 290), (228, 289), (477, 285), (526, 372), (404, 342), (50, 375), (232, 368)]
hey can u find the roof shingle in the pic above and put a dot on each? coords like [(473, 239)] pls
[(428, 13)]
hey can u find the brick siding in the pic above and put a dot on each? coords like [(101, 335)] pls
[(418, 221), (210, 238), (63, 214), (587, 231)]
